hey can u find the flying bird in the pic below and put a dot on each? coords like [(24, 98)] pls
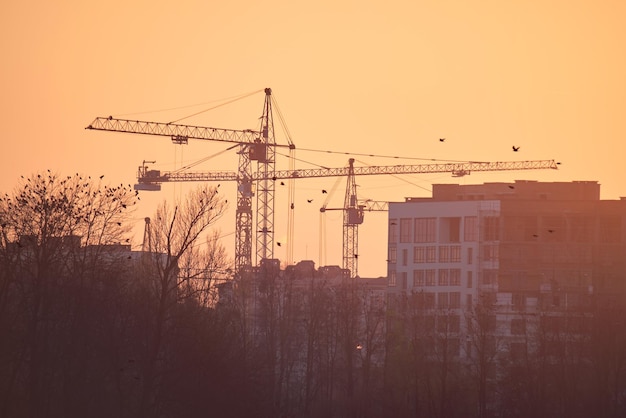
[(309, 200), (278, 243), (324, 191), (442, 139), (101, 177), (282, 183), (511, 187), (515, 149)]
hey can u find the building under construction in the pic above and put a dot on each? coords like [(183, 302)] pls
[(537, 254)]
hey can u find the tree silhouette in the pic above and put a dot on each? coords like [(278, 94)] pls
[(53, 229), (177, 229)]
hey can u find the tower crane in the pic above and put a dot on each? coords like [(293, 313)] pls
[(353, 209), (353, 215), (254, 145)]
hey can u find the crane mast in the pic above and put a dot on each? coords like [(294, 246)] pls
[(352, 217), (266, 185)]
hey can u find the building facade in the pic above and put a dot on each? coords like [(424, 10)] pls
[(534, 252)]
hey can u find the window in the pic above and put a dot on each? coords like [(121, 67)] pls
[(468, 302), (490, 277), (431, 254), (470, 228), (455, 277), (403, 280), (393, 230), (425, 229), (430, 277), (470, 255), (455, 300), (444, 254), (448, 323), (519, 301), (449, 229), (490, 252), (443, 324), (392, 278), (393, 254), (581, 229), (429, 300), (610, 229), (492, 228), (442, 300), (455, 254), (418, 278), (470, 279), (444, 277), (530, 228), (518, 326), (405, 256), (419, 254), (553, 228), (405, 230)]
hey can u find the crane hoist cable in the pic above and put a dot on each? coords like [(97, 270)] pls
[(388, 156), (202, 160), (215, 107), (282, 122), (291, 187), (400, 178), (169, 109), (300, 160), (322, 223)]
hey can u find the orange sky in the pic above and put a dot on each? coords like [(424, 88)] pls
[(388, 78)]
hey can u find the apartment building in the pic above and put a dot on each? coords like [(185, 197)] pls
[(527, 248)]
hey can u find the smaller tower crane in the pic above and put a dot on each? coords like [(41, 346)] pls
[(353, 215)]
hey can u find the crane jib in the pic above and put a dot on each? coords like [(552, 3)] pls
[(178, 132), (456, 169)]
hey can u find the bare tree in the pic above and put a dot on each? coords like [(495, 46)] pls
[(176, 229), (482, 350), (202, 268)]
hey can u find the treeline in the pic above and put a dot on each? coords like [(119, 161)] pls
[(90, 329)]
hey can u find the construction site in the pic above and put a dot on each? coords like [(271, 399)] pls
[(261, 185), (500, 298)]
